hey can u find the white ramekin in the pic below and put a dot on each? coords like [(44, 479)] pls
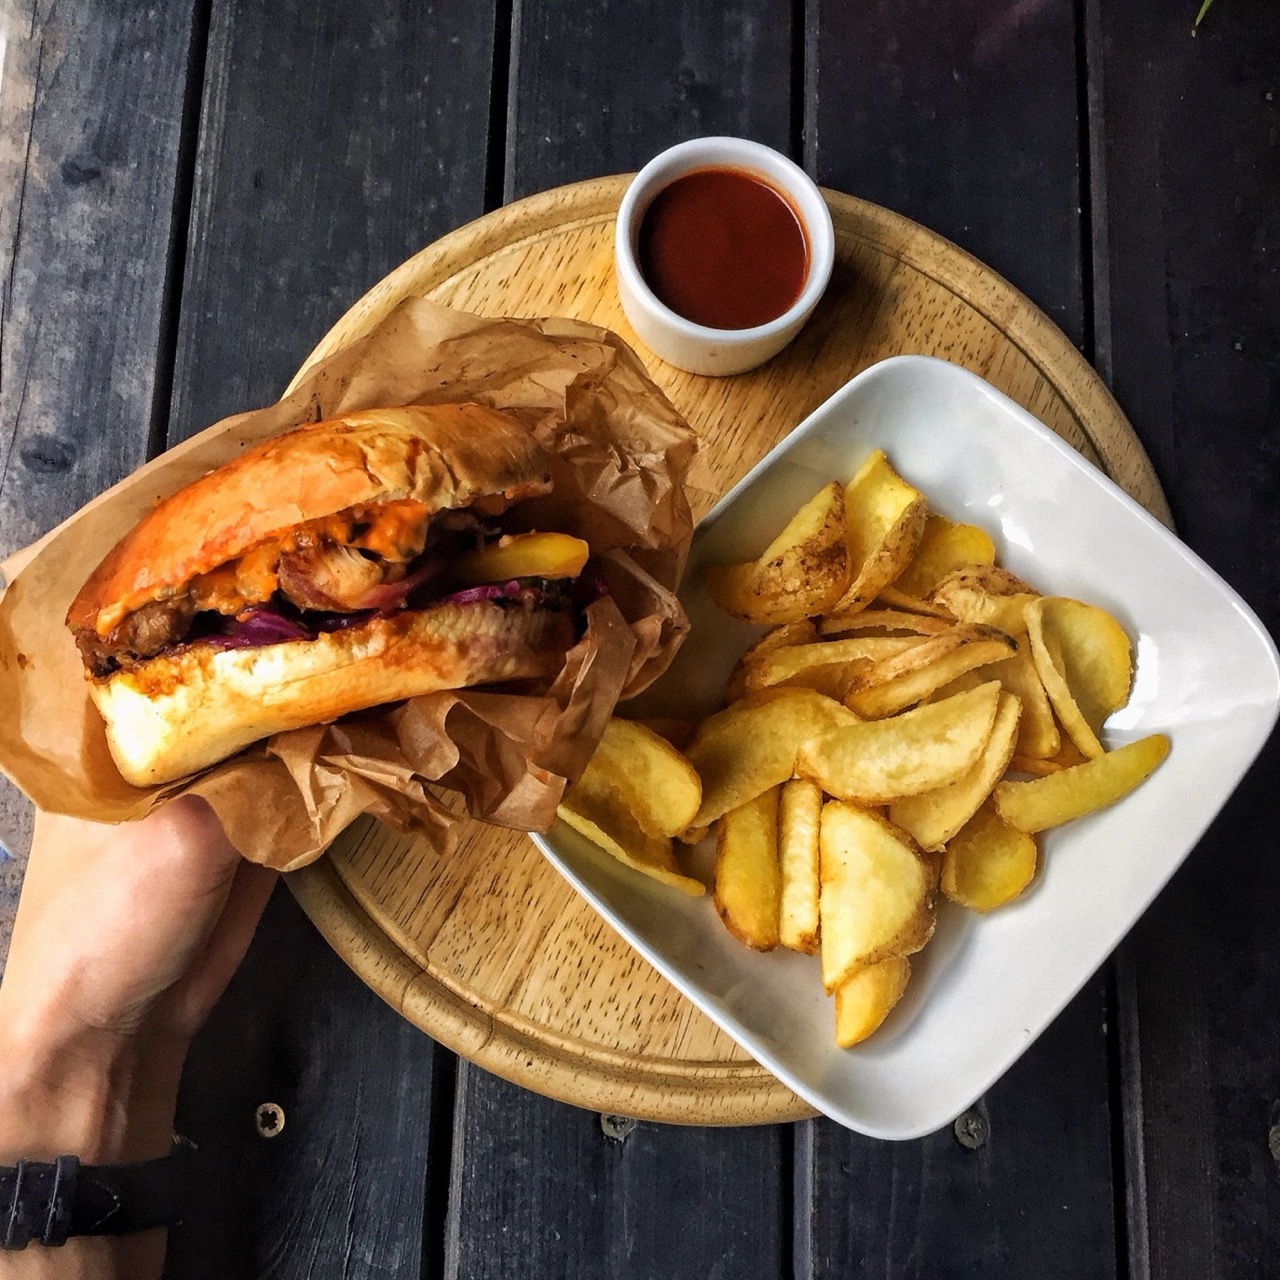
[(695, 347)]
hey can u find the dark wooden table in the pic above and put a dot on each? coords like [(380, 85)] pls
[(192, 191)]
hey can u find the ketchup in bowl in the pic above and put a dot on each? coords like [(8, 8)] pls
[(723, 248)]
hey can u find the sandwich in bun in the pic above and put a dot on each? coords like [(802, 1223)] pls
[(339, 566)]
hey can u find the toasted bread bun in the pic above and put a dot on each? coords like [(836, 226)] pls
[(173, 706), (443, 456), (184, 711)]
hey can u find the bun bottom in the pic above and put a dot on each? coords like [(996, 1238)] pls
[(183, 711)]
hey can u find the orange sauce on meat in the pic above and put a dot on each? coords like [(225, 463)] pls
[(393, 530), (724, 249)]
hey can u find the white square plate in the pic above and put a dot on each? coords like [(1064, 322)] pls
[(984, 988)]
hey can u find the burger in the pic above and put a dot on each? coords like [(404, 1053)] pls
[(342, 565)]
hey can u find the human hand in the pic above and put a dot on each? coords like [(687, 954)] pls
[(125, 937)]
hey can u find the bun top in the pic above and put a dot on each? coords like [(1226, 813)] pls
[(443, 456)]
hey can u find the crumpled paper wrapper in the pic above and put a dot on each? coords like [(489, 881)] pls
[(620, 455)]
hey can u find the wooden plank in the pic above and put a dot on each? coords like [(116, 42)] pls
[(334, 140), (1020, 1183), (91, 104), (965, 121), (1187, 242), (538, 1189), (587, 97), (970, 126), (541, 1189), (311, 1104)]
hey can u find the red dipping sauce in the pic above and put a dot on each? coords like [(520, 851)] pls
[(723, 248)]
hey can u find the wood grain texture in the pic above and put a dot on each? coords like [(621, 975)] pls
[(965, 119), (91, 104), (332, 139), (339, 1188), (517, 974), (335, 139), (968, 121), (541, 1191), (1186, 133), (603, 85)]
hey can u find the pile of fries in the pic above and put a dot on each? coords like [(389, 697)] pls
[(913, 718)]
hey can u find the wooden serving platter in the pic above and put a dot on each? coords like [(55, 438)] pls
[(489, 951)]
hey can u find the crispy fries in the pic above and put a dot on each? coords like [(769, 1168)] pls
[(916, 714)]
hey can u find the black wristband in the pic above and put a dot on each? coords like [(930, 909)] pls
[(51, 1202)]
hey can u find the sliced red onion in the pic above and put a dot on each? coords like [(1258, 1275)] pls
[(489, 591), (257, 627)]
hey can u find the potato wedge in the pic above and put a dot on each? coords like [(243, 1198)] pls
[(1040, 803), (803, 631), (882, 621), (751, 746), (879, 761), (637, 772), (877, 892), (748, 880), (907, 678), (866, 998), (1084, 659), (891, 598), (799, 818), (987, 863), (884, 521), (945, 546), (933, 817), (620, 837), (963, 590), (829, 666), (803, 570)]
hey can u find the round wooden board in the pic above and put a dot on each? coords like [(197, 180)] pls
[(489, 950)]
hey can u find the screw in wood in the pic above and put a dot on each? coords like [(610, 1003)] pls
[(616, 1128), (970, 1130), (268, 1119)]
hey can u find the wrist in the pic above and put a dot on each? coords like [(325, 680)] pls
[(86, 1094)]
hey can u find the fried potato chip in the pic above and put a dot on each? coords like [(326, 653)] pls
[(877, 892), (909, 677), (987, 863), (1067, 756), (751, 746), (944, 547), (865, 999), (634, 771), (977, 582), (884, 521), (803, 570), (748, 879), (933, 817), (1038, 735), (829, 666), (618, 835), (879, 761), (802, 631), (799, 817), (886, 622), (1084, 660), (891, 598), (1040, 803)]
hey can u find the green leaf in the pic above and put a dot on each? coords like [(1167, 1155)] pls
[(1204, 8)]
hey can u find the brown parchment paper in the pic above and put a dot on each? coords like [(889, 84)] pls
[(620, 456)]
